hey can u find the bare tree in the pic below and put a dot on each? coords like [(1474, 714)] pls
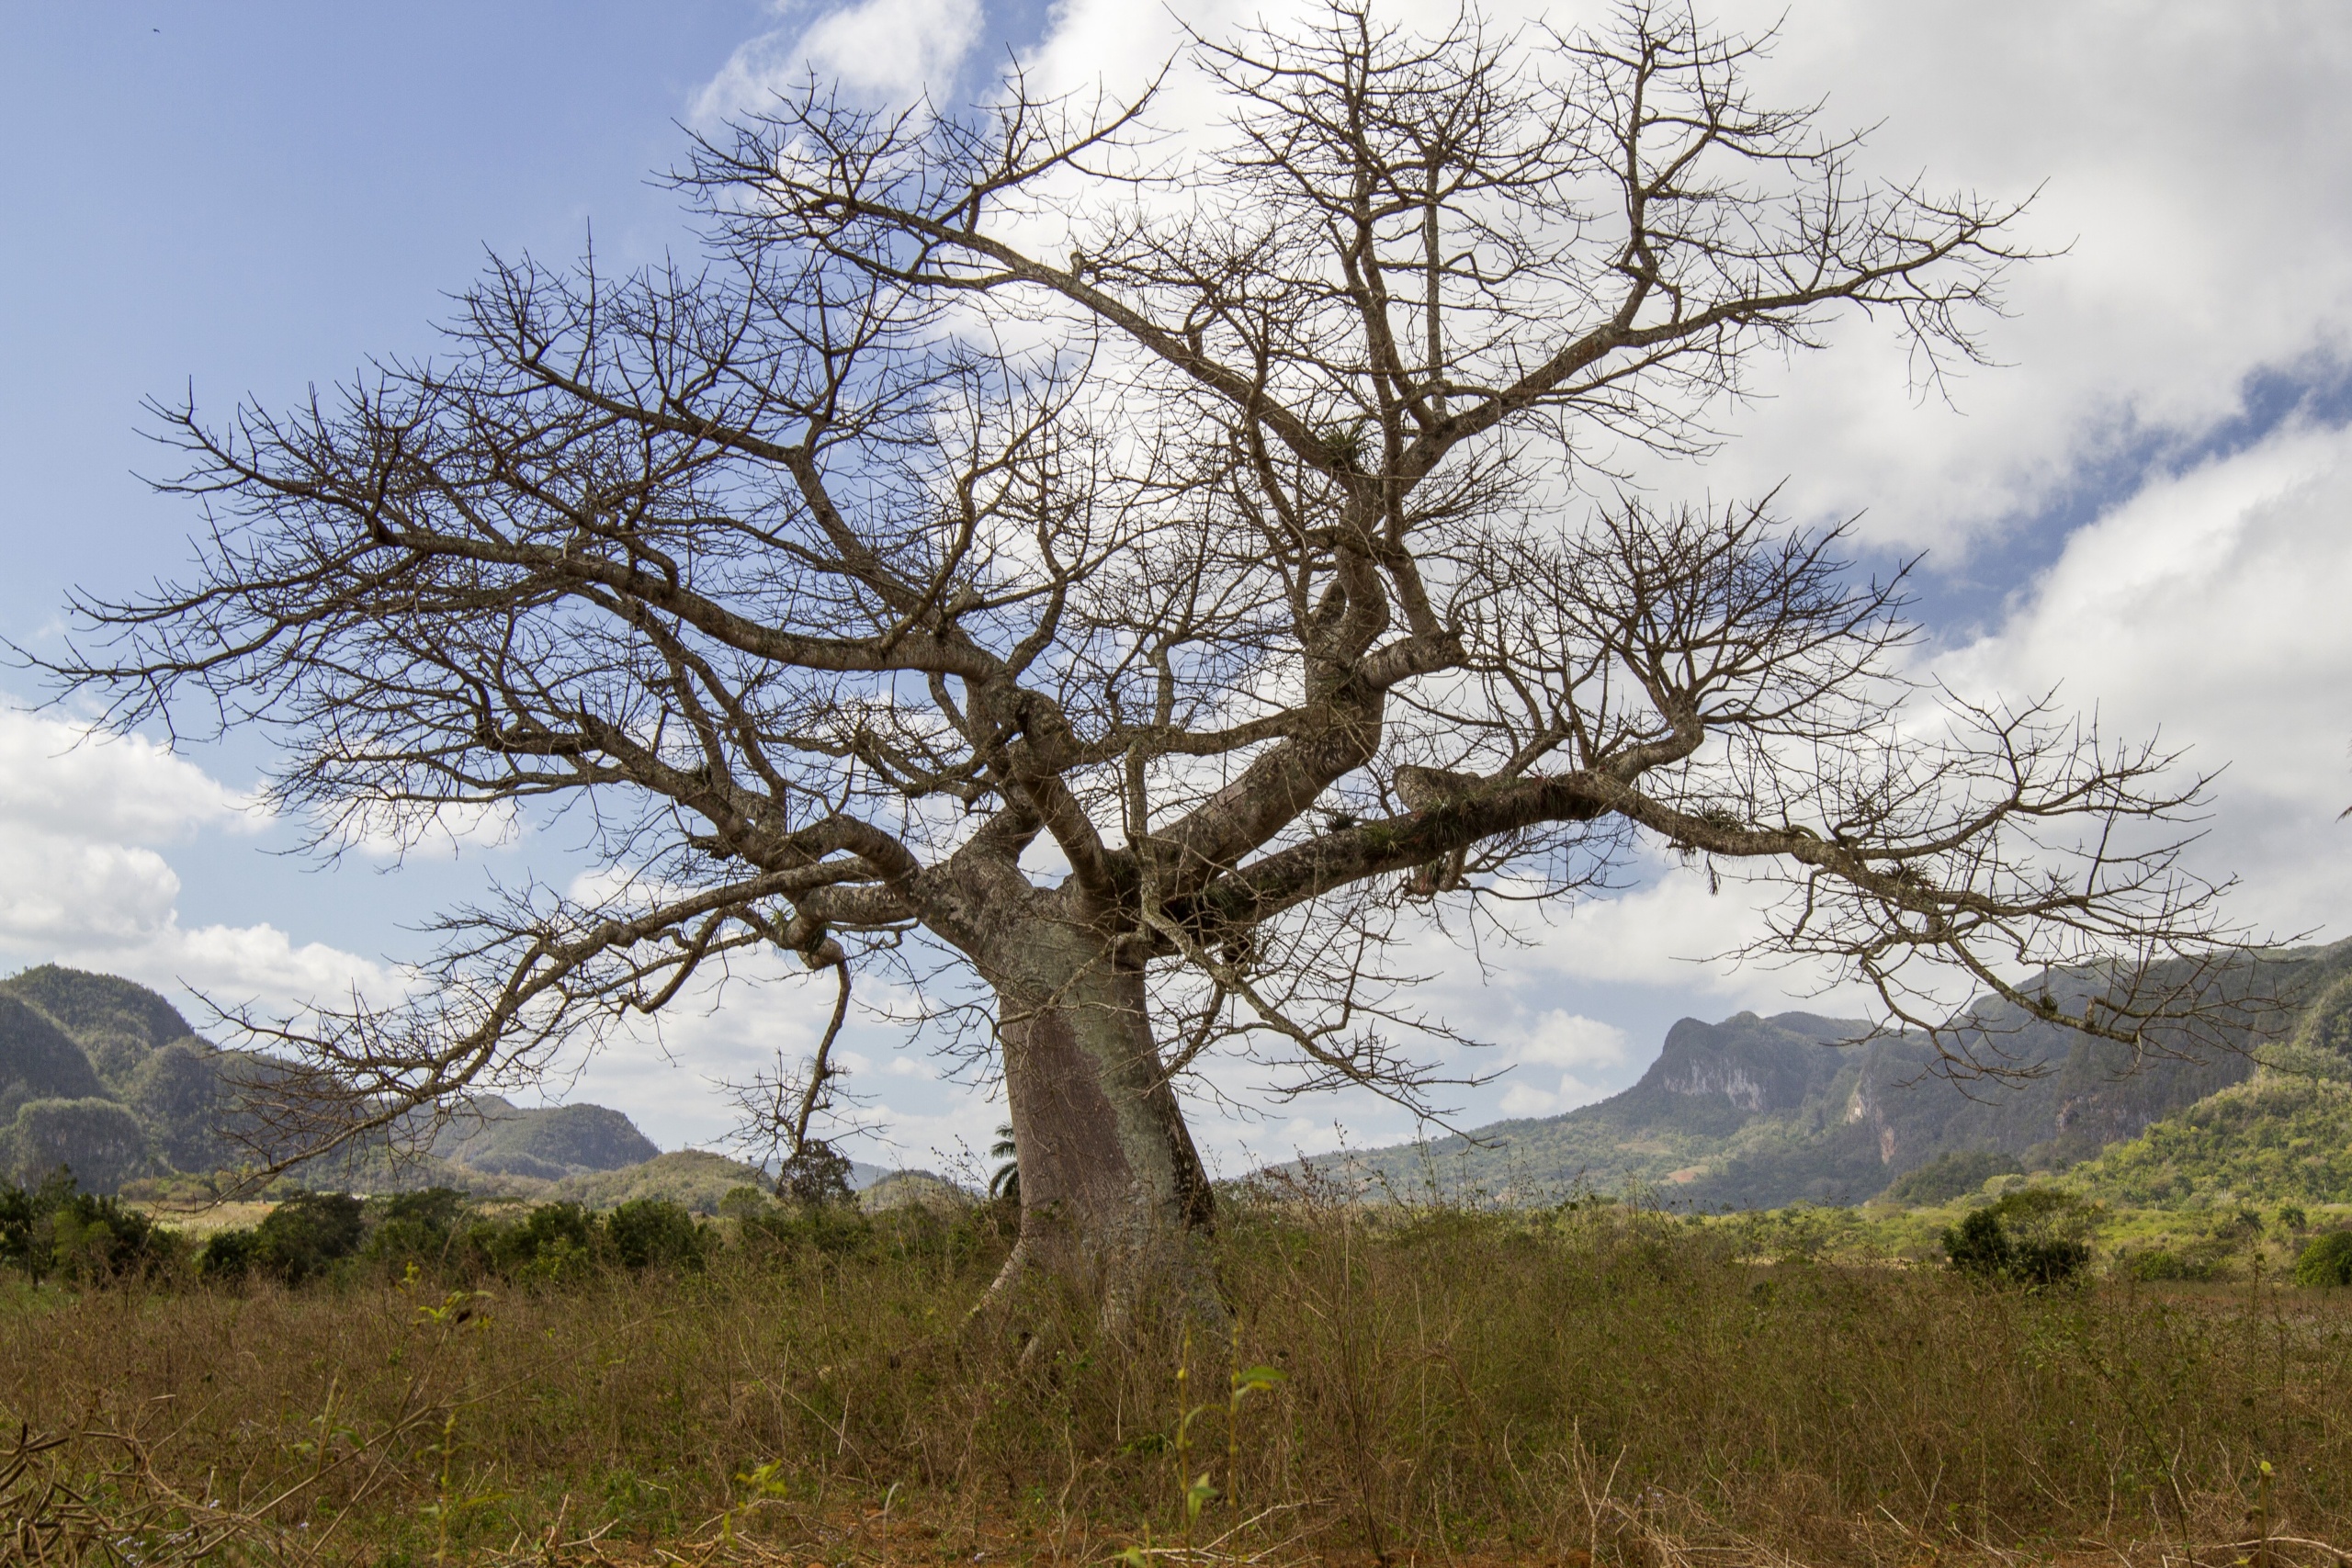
[(1220, 526)]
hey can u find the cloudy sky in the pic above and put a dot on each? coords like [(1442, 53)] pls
[(2145, 506)]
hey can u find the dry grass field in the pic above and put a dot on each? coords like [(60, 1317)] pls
[(1592, 1385)]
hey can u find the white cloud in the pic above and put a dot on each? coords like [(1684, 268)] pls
[(257, 964), (1570, 1051), (1524, 1099), (2182, 152), (2211, 606), (892, 49), (1563, 1039), (58, 778), (58, 891), (82, 884), (1673, 932)]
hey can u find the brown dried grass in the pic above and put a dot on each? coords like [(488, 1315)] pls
[(1590, 1386)]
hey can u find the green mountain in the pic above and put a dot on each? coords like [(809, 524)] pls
[(117, 1022), (548, 1144), (102, 1074), (38, 1060), (2284, 1135), (1757, 1112)]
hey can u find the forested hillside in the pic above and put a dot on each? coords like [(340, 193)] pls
[(103, 1076), (2283, 1136), (1756, 1113)]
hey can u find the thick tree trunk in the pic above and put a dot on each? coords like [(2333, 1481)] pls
[(1112, 1195)]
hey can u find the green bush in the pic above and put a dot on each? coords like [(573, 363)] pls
[(300, 1239), (412, 1227), (2326, 1261), (19, 1216), (95, 1239), (836, 1229), (2022, 1239), (307, 1233), (56, 1228), (652, 1233), (227, 1254), (817, 1176), (552, 1243), (312, 1234), (741, 1202), (2194, 1263)]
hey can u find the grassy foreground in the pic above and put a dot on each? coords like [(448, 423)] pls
[(1592, 1384)]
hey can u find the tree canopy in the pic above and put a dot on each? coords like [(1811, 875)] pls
[(1160, 568)]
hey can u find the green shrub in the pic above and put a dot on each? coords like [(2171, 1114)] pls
[(553, 1242), (309, 1232), (2195, 1263), (743, 1202), (652, 1233), (304, 1236), (227, 1254), (95, 1239), (1979, 1244), (2023, 1239), (412, 1227), (817, 1176), (2326, 1261), (18, 1220), (58, 1228), (836, 1229)]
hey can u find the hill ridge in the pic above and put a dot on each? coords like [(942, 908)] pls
[(1758, 1111)]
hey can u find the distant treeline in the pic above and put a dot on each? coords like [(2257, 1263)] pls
[(55, 1231)]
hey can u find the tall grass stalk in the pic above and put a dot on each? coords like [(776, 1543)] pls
[(1421, 1384)]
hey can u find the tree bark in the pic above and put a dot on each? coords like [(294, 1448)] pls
[(1113, 1198)]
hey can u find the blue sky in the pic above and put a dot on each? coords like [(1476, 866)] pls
[(2147, 502)]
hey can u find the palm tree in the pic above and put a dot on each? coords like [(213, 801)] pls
[(1006, 1182)]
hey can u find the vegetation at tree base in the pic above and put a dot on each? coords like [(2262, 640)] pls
[(2024, 1237), (1503, 1387)]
